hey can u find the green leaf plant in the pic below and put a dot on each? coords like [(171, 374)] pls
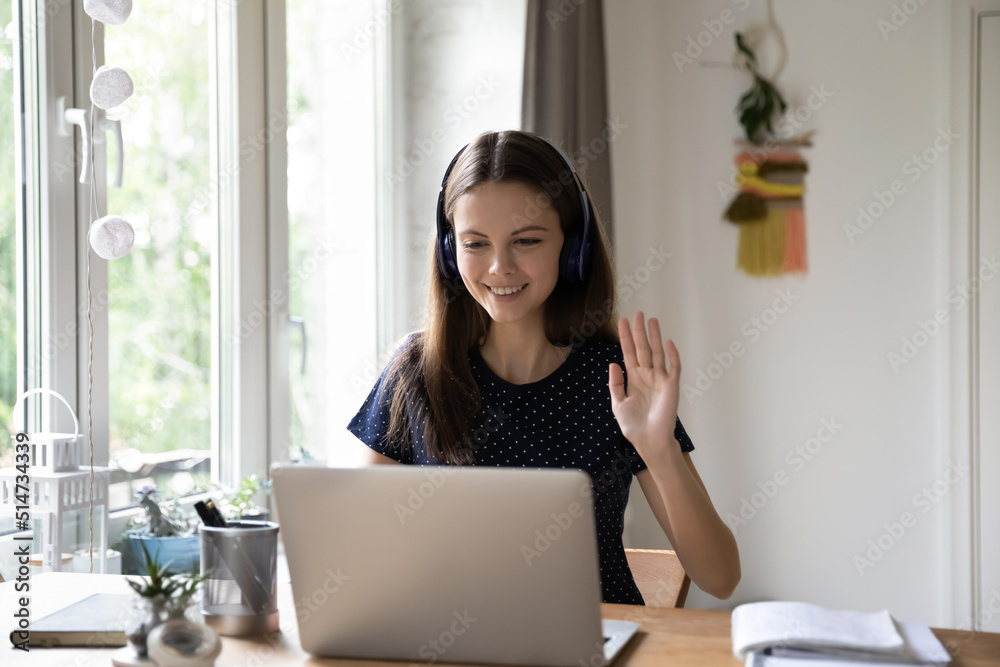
[(172, 592), (759, 104)]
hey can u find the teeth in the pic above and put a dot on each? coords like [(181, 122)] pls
[(506, 290)]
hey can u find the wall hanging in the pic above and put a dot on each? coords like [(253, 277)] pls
[(770, 173)]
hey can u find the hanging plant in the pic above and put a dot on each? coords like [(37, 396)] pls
[(760, 103)]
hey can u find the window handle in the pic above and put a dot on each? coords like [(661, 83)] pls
[(301, 324), (115, 127), (67, 118)]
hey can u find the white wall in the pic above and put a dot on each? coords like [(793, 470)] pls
[(826, 357), (458, 73)]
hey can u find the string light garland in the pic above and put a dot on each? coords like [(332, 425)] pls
[(112, 236)]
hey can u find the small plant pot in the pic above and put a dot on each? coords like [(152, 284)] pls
[(183, 554)]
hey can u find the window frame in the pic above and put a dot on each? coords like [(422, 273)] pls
[(56, 331)]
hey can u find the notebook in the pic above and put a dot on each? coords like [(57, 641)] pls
[(792, 634), (446, 564), (96, 620)]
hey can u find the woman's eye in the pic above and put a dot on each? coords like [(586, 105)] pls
[(472, 245), (528, 241)]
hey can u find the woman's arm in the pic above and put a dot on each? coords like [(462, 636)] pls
[(647, 415), (370, 457), (704, 544)]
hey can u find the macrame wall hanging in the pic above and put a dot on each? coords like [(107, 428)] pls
[(769, 174)]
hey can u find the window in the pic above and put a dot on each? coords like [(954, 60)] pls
[(332, 124), (9, 312), (160, 305), (380, 96)]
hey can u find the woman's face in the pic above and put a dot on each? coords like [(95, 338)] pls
[(508, 241)]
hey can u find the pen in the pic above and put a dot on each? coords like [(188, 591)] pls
[(206, 515), (236, 558), (220, 521)]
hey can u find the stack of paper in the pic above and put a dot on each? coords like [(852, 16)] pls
[(797, 634)]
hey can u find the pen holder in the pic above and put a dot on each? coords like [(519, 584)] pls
[(240, 596)]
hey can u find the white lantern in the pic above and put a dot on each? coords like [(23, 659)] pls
[(112, 237), (111, 12), (58, 452), (111, 86)]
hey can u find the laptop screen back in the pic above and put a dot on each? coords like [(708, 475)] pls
[(443, 563)]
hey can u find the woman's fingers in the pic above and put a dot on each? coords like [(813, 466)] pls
[(656, 344), (675, 360), (628, 346), (643, 352), (616, 383)]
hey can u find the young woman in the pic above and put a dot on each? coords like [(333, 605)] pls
[(520, 361)]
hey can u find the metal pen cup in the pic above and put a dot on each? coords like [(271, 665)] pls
[(240, 596)]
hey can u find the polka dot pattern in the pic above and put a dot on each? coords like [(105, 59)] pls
[(562, 421)]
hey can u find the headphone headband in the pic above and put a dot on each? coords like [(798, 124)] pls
[(576, 246)]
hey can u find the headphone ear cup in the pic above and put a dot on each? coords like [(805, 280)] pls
[(569, 259), (446, 264), (449, 255)]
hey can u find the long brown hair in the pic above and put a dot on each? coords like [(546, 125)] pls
[(434, 387)]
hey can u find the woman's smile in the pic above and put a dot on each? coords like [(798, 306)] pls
[(508, 240), (506, 293)]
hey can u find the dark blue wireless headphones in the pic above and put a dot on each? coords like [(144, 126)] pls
[(576, 246)]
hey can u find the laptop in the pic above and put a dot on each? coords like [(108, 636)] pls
[(446, 564)]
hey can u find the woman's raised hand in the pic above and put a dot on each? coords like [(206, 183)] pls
[(648, 412)]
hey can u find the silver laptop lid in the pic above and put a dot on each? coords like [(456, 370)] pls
[(443, 564)]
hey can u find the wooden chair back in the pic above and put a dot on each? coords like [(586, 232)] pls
[(660, 577)]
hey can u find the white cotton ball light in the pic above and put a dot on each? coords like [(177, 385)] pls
[(110, 12), (111, 86), (112, 237)]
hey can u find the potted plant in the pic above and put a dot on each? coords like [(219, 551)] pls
[(162, 597), (238, 504), (165, 530)]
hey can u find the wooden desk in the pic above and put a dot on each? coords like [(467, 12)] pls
[(666, 636)]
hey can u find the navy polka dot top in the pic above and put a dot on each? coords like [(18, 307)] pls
[(562, 421)]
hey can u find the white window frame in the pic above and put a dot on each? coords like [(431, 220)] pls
[(966, 596), (390, 241), (56, 290), (241, 146)]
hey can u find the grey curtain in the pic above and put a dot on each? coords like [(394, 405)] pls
[(565, 89)]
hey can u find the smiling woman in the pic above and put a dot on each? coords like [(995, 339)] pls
[(501, 376)]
